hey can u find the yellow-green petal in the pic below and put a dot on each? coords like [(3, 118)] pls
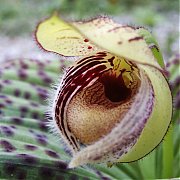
[(57, 36)]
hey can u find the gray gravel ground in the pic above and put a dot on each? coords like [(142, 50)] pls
[(21, 47)]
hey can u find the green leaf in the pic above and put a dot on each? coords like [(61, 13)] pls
[(27, 149)]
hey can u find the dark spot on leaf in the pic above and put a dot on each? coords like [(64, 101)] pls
[(35, 115), (177, 81), (41, 73), (176, 61), (74, 177), (13, 127), (17, 120), (30, 147), (8, 147), (46, 172), (51, 153), (7, 130), (21, 175), (34, 104), (17, 92), (24, 66), (86, 178), (9, 168), (31, 131), (7, 81), (23, 109), (1, 86), (41, 136), (61, 165), (1, 113), (168, 64), (105, 178), (29, 159), (8, 101), (42, 141), (22, 115), (40, 64), (2, 105), (47, 80), (41, 90), (59, 177), (43, 95), (27, 95), (43, 126), (22, 74), (3, 96)]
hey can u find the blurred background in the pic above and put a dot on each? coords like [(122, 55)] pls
[(18, 19)]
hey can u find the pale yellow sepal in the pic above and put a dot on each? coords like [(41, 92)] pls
[(55, 35), (123, 41)]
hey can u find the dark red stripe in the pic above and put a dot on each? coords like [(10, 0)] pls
[(135, 39), (69, 76), (68, 90), (111, 60), (83, 63)]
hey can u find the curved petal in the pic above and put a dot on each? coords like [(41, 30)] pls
[(159, 121), (123, 41), (57, 36), (83, 74), (152, 99), (126, 132), (129, 140)]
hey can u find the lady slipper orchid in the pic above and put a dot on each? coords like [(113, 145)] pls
[(114, 103)]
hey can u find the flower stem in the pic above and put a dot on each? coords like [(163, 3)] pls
[(168, 154)]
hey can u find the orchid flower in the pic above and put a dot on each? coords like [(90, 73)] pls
[(113, 104)]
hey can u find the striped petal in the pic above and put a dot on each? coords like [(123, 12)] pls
[(85, 73)]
